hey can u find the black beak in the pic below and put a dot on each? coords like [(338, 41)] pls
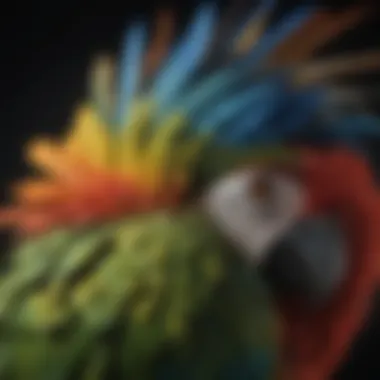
[(310, 263)]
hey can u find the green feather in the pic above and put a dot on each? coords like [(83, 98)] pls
[(124, 297)]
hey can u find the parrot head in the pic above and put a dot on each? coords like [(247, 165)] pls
[(181, 230)]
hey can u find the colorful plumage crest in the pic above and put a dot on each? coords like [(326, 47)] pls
[(136, 144)]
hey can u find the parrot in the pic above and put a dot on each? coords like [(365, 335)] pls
[(210, 212)]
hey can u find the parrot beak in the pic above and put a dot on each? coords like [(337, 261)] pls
[(310, 262)]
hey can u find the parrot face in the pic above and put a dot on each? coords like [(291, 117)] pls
[(313, 248), (262, 212)]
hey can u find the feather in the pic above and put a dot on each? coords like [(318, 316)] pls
[(252, 30), (258, 98), (278, 123), (219, 81), (279, 32), (299, 111), (184, 86), (130, 71), (51, 158), (331, 68), (322, 27), (350, 126), (212, 88), (231, 108), (93, 282), (159, 47), (217, 50), (102, 78), (186, 58), (39, 192), (89, 133)]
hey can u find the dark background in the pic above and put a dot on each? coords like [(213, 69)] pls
[(46, 47)]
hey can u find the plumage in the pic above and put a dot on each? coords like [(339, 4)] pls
[(226, 111), (326, 70), (187, 56), (250, 33), (304, 43), (268, 100), (277, 33), (162, 38), (130, 71), (102, 87), (121, 270), (55, 297)]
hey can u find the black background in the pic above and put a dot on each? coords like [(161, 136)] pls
[(45, 50)]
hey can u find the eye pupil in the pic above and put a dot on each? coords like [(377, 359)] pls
[(262, 187)]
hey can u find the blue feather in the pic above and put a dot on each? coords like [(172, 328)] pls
[(186, 58), (257, 116), (229, 101), (228, 110), (215, 84), (130, 70), (299, 111), (353, 130), (359, 125), (279, 118), (213, 87)]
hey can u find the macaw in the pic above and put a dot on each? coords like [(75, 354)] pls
[(210, 214)]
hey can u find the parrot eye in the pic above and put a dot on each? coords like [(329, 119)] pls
[(262, 187), (254, 209)]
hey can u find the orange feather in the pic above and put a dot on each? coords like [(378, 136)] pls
[(321, 28), (165, 28)]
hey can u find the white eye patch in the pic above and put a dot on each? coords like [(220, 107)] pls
[(252, 224)]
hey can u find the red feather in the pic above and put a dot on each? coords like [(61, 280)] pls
[(316, 342)]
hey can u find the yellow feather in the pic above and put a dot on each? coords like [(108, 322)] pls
[(132, 139), (89, 138), (158, 158)]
